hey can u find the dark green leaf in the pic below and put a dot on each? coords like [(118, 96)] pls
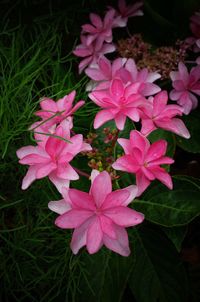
[(192, 123), (171, 207), (158, 274), (176, 235)]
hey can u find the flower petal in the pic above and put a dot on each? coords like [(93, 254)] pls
[(101, 187), (81, 200), (124, 216), (59, 206), (73, 218), (79, 236), (121, 244), (94, 236)]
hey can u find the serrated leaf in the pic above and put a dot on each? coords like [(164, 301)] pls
[(169, 208), (158, 274)]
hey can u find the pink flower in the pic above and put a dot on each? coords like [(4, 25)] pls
[(91, 52), (104, 70), (144, 77), (161, 115), (185, 84), (126, 11), (119, 102), (144, 160), (99, 30), (100, 217), (52, 156), (63, 107)]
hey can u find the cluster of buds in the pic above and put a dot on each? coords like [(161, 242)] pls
[(162, 59), (101, 157)]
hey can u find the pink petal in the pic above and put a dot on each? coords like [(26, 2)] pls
[(105, 67), (163, 176), (175, 125), (45, 170), (59, 206), (73, 218), (107, 226), (33, 159), (159, 102), (115, 198), (79, 236), (131, 67), (147, 126), (133, 190), (117, 88), (29, 177), (142, 182), (175, 95), (88, 28), (139, 141), (121, 244), (96, 20), (94, 236), (150, 89), (156, 150), (165, 160), (48, 105), (75, 146), (84, 63), (183, 72), (101, 187), (102, 117), (126, 163), (125, 143), (81, 200), (124, 216), (58, 182), (153, 76), (120, 120), (132, 113), (66, 171), (24, 151)]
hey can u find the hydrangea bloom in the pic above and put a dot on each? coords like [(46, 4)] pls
[(119, 102), (91, 52), (125, 11), (104, 72), (100, 217), (144, 160), (161, 115), (52, 156), (100, 30), (63, 107), (185, 84)]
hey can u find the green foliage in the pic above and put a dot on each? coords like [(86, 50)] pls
[(171, 208), (158, 274), (192, 122)]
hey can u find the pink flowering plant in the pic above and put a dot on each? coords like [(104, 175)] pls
[(116, 180)]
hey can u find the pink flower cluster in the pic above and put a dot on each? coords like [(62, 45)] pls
[(55, 146), (96, 37), (121, 91), (98, 217)]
